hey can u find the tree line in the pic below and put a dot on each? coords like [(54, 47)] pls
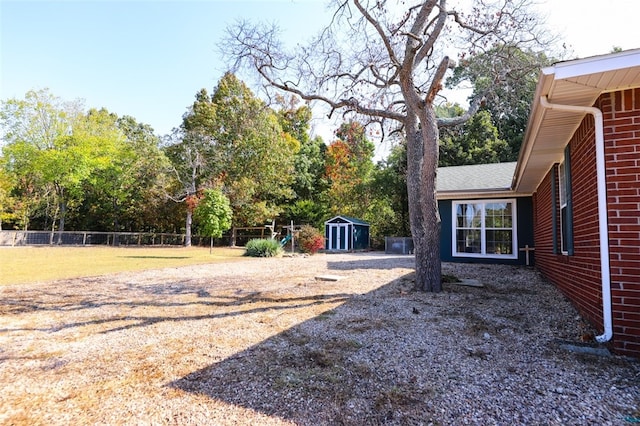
[(66, 168)]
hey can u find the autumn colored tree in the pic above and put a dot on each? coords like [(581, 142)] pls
[(349, 166)]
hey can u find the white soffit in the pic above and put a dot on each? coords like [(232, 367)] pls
[(578, 82)]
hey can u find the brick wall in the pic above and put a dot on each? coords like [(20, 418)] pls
[(578, 276), (622, 133)]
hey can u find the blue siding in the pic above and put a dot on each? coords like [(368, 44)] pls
[(524, 206)]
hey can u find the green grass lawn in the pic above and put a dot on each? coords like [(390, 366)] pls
[(36, 264)]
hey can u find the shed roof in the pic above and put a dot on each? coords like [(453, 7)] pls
[(349, 219), (475, 179)]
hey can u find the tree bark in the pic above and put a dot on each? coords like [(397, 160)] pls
[(422, 162), (187, 231)]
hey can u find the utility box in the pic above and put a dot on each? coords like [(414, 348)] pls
[(398, 245)]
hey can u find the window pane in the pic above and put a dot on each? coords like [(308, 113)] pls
[(460, 208), (499, 242), (469, 215), (472, 216), (564, 229), (562, 184), (498, 215), (468, 241), (494, 237)]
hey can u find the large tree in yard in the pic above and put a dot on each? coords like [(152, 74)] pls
[(387, 61)]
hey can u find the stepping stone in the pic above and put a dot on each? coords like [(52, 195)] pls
[(329, 278), (469, 282)]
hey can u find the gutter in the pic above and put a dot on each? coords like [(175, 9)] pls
[(605, 266)]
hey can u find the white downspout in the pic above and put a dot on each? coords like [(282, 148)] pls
[(602, 211)]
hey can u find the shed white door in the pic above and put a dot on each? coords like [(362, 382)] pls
[(338, 236)]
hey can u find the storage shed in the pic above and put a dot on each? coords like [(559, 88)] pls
[(343, 233)]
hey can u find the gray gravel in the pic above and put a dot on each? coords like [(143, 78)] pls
[(263, 342)]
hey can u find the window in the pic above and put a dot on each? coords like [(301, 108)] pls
[(564, 207), (484, 228), (562, 192)]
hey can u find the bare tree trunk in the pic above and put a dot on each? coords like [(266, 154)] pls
[(189, 222), (422, 162), (63, 213)]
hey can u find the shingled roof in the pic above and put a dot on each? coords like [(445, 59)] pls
[(480, 178)]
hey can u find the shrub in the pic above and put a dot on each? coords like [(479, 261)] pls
[(263, 248), (310, 239)]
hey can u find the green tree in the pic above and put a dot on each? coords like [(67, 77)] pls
[(190, 151), (234, 141), (252, 154), (309, 205), (127, 194), (388, 65), (474, 142), (55, 148), (309, 162), (506, 77), (213, 214), (388, 214)]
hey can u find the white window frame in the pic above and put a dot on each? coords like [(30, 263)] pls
[(483, 252), (562, 204)]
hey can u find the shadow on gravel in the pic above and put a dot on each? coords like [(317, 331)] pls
[(398, 357)]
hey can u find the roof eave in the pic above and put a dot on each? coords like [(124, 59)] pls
[(578, 82), (484, 193)]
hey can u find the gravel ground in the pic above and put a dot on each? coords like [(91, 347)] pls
[(262, 341)]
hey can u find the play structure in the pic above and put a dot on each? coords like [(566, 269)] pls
[(241, 235)]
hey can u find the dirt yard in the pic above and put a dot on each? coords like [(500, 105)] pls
[(262, 341)]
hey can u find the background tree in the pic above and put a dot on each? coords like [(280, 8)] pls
[(53, 148), (7, 202), (142, 190), (309, 185), (213, 214), (189, 149), (234, 141), (127, 194), (506, 76), (388, 213), (254, 156), (389, 65), (349, 165), (474, 142)]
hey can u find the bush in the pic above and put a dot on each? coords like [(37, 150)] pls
[(263, 248), (310, 239)]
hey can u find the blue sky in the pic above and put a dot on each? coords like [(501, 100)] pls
[(148, 58)]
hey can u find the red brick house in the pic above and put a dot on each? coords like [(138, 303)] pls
[(580, 164), (580, 160)]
